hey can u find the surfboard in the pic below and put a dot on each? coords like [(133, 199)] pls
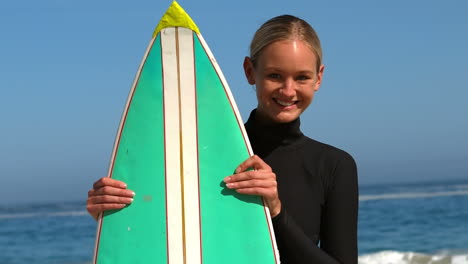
[(180, 135)]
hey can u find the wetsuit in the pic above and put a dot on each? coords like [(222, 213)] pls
[(317, 186)]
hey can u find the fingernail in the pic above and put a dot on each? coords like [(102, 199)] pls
[(237, 170), (227, 179), (133, 193), (229, 185)]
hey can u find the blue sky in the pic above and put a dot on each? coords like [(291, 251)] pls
[(394, 91)]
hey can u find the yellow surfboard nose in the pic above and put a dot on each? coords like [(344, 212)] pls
[(176, 16)]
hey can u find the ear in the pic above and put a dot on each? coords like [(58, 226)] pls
[(319, 78), (249, 71)]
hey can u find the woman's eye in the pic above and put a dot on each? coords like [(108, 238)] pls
[(302, 77), (274, 76)]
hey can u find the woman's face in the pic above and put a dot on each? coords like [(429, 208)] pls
[(286, 79)]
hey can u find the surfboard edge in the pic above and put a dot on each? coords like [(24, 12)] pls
[(118, 137), (243, 131)]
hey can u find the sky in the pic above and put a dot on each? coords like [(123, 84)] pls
[(394, 91)]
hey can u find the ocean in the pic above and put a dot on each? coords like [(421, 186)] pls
[(398, 224)]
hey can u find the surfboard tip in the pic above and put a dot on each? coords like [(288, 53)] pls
[(176, 16)]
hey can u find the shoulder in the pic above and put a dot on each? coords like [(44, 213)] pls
[(326, 152), (335, 167), (330, 163)]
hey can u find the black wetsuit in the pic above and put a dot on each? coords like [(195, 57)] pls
[(317, 186)]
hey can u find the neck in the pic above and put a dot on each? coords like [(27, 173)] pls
[(266, 135)]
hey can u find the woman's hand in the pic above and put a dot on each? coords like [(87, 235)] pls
[(260, 181), (108, 194)]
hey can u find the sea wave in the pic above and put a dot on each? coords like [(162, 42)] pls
[(413, 195), (461, 186), (396, 257), (42, 214)]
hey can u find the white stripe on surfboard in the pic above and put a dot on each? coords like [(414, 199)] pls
[(189, 143), (175, 238), (182, 184), (244, 133), (118, 136)]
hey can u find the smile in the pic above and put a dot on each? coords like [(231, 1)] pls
[(285, 103)]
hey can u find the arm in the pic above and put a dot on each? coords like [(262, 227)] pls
[(339, 230), (338, 235)]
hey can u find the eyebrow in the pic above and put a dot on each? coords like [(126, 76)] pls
[(279, 70), (307, 72)]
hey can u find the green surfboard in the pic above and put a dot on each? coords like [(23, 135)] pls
[(179, 136)]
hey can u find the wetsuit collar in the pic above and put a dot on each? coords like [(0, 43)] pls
[(265, 137)]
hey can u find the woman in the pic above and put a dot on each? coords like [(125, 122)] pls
[(310, 188)]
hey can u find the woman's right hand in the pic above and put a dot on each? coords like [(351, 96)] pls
[(108, 194)]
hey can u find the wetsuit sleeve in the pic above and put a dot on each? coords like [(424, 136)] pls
[(338, 231)]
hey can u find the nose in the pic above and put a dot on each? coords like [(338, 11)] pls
[(288, 88)]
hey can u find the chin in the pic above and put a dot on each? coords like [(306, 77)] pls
[(278, 116), (285, 117)]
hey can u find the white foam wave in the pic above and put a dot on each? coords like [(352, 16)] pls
[(411, 195), (51, 214), (395, 257)]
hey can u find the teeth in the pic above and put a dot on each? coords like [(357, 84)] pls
[(283, 103)]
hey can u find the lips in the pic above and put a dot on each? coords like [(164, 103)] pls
[(285, 103)]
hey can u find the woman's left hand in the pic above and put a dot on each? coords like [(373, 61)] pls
[(259, 181)]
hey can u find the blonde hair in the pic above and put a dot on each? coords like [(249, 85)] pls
[(285, 27)]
